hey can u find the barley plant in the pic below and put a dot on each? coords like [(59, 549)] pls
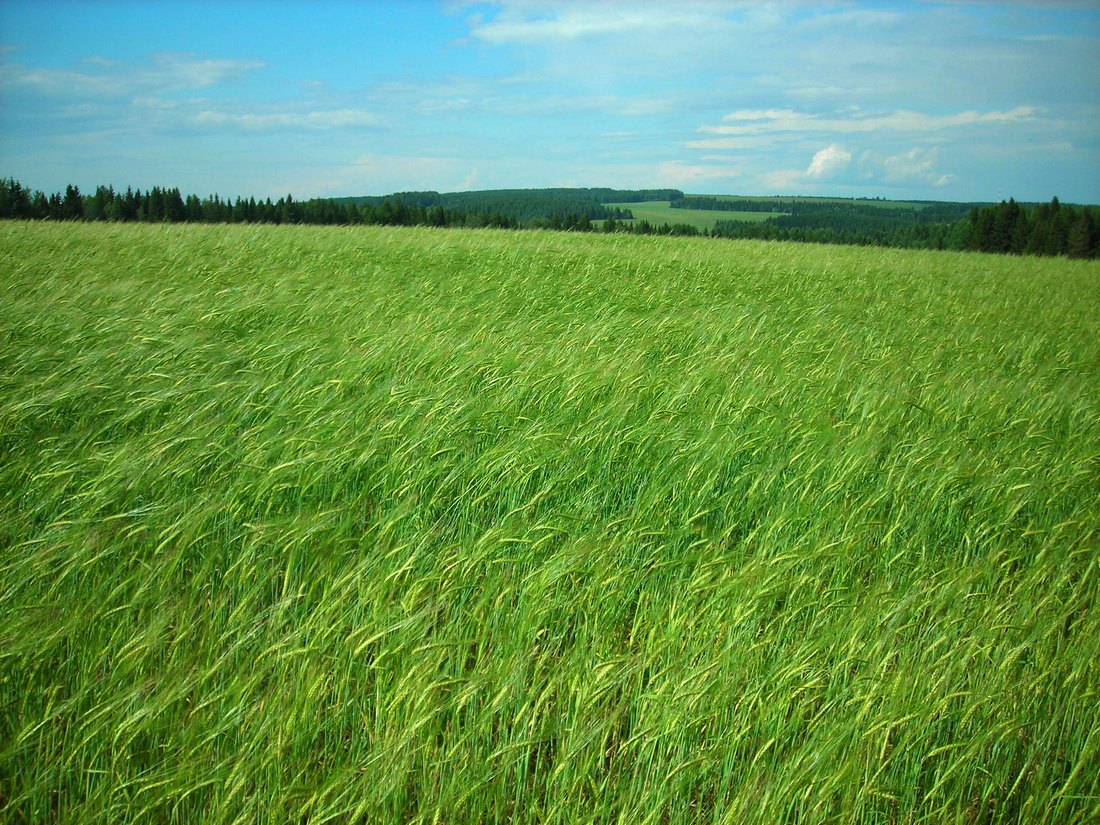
[(411, 525)]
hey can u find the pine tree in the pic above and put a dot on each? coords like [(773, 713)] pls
[(72, 207), (1081, 242)]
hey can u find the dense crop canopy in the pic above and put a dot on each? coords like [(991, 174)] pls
[(392, 525)]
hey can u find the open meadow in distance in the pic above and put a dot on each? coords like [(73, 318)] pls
[(881, 203), (411, 525), (661, 212)]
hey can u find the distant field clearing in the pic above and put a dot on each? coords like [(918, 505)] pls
[(659, 212)]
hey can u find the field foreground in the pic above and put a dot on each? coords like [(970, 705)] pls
[(392, 525)]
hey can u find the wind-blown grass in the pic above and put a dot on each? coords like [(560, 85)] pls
[(392, 525)]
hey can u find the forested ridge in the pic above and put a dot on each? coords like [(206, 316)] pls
[(1008, 227), (573, 209), (169, 205), (531, 208)]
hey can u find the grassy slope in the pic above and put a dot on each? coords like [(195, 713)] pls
[(401, 522)]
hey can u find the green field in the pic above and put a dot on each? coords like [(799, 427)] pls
[(660, 212), (412, 525)]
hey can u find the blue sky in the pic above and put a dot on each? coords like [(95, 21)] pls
[(938, 100)]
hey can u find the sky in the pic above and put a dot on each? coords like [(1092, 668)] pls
[(959, 101)]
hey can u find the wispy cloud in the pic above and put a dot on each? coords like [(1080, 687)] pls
[(679, 174), (101, 77), (755, 122), (539, 23), (335, 119)]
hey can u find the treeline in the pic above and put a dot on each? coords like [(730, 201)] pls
[(1007, 227), (532, 208), (1047, 229), (565, 209), (854, 222), (914, 236), (571, 210), (715, 204), (526, 209), (159, 205)]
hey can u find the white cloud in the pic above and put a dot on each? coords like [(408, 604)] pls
[(915, 166), (825, 165), (828, 162), (916, 163)]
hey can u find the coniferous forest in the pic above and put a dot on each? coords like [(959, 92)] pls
[(1009, 227), (568, 209)]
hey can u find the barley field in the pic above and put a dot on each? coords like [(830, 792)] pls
[(407, 525)]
